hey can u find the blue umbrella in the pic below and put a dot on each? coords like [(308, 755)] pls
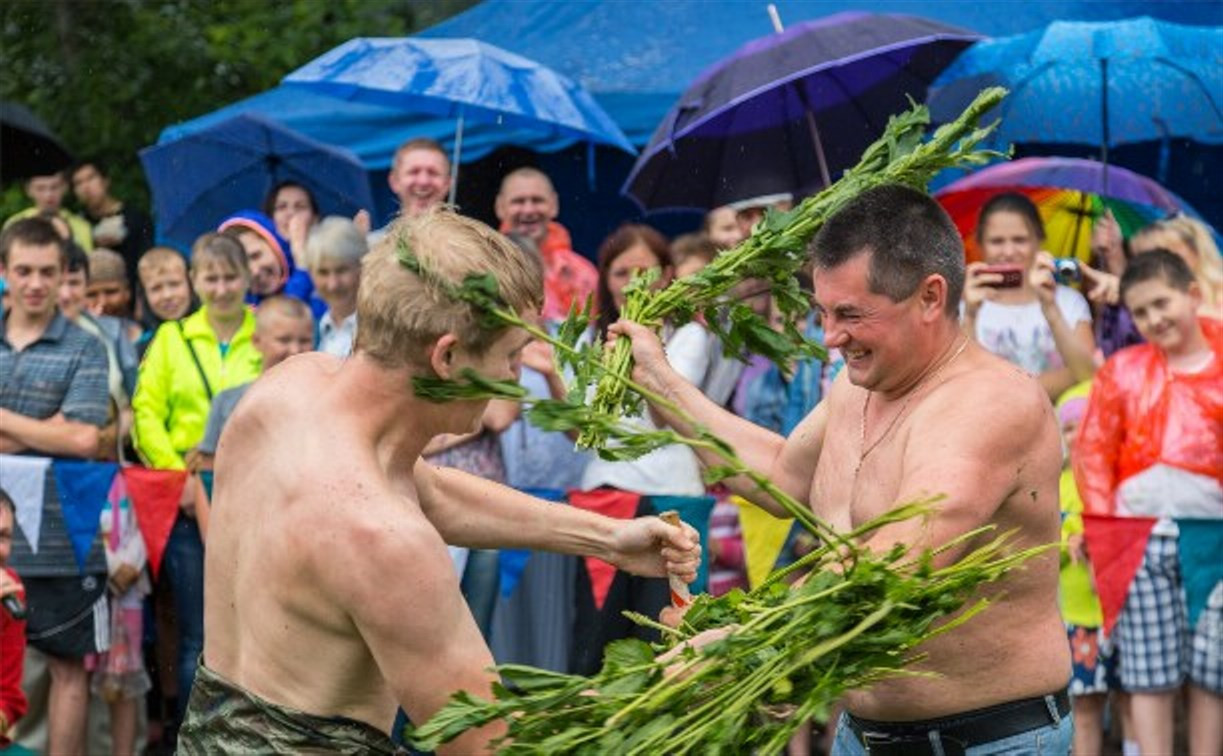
[(207, 175), (790, 111), (1101, 84), (460, 78)]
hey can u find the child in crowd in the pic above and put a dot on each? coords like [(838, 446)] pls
[(692, 252), (13, 702), (1094, 663), (1151, 445), (119, 677), (270, 259), (166, 289)]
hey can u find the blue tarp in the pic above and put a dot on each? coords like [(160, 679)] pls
[(637, 57)]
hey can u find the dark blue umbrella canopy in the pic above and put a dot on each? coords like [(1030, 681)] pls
[(747, 126), (459, 78), (1100, 84), (207, 175)]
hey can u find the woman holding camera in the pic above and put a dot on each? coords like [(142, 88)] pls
[(1013, 305)]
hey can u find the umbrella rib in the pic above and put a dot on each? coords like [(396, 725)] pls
[(1193, 75)]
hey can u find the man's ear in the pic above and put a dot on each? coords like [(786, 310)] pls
[(932, 293), (441, 356), (499, 207)]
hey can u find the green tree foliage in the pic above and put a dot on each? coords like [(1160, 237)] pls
[(108, 76)]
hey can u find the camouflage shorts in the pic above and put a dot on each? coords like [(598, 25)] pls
[(224, 719)]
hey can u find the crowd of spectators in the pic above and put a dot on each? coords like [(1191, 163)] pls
[(116, 349)]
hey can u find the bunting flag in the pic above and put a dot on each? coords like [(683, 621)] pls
[(1200, 550), (83, 488), (512, 562), (609, 502), (764, 536), (1115, 548), (155, 495), (695, 511), (25, 481)]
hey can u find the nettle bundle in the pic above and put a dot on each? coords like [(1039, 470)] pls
[(791, 651)]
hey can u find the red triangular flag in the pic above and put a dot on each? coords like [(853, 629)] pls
[(1115, 546), (621, 505), (155, 495)]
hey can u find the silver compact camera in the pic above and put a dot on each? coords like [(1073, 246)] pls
[(1067, 271)]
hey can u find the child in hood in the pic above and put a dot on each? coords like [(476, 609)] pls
[(273, 270)]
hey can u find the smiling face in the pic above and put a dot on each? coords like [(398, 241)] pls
[(278, 337), (291, 201), (1008, 239), (420, 179), (109, 298), (33, 276), (221, 287), (1165, 315), (527, 203), (875, 335), (71, 295), (336, 283), (167, 291), (267, 275)]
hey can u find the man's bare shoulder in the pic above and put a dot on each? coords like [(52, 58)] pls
[(296, 380), (990, 395)]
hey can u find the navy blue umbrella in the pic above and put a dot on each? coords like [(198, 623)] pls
[(790, 111), (1101, 84), (460, 78), (203, 177)]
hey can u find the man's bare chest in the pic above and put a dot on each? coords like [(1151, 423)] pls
[(850, 489)]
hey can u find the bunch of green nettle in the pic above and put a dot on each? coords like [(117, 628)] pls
[(794, 650)]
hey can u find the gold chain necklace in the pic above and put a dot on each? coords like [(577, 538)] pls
[(866, 450)]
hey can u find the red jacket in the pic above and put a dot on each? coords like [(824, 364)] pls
[(13, 703), (1141, 415)]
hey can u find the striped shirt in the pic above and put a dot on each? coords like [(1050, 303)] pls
[(64, 370)]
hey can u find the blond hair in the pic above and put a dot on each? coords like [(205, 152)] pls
[(159, 260), (284, 307), (218, 247), (400, 315), (1208, 268)]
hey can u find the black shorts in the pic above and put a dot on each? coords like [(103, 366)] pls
[(68, 617)]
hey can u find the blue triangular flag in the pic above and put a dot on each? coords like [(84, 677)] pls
[(695, 511), (83, 488), (1198, 548), (512, 562)]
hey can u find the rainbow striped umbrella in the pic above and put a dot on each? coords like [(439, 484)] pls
[(1069, 193)]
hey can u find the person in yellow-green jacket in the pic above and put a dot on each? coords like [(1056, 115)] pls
[(1093, 661), (188, 362)]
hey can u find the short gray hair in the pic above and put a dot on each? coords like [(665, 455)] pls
[(337, 239)]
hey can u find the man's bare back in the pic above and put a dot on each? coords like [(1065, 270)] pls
[(302, 506), (951, 441)]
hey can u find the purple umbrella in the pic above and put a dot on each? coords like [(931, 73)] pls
[(789, 112)]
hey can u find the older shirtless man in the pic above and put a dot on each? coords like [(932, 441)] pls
[(330, 598), (919, 411)]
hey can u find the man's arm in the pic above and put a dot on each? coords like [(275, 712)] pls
[(56, 436), (473, 512), (788, 462), (417, 627)]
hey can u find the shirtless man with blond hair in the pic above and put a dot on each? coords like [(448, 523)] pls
[(920, 411), (330, 598)]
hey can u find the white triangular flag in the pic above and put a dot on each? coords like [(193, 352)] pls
[(25, 480)]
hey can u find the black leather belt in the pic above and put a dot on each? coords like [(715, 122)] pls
[(957, 733)]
